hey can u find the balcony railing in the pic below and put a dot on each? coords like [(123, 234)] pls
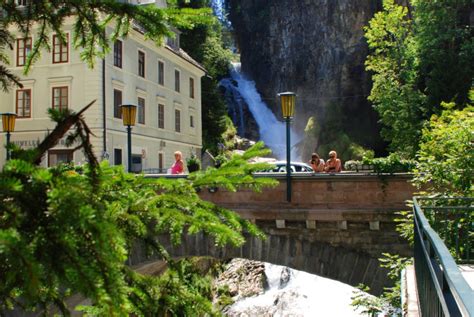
[(444, 229)]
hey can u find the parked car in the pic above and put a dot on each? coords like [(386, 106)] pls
[(296, 167)]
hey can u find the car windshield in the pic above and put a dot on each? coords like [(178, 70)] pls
[(295, 168)]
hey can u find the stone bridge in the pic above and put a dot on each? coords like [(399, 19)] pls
[(336, 226)]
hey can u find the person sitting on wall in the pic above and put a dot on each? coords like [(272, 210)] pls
[(178, 165), (317, 163), (333, 164)]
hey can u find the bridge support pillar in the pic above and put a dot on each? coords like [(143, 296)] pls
[(311, 224), (374, 225), (280, 224)]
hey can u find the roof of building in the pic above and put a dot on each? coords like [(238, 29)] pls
[(182, 53)]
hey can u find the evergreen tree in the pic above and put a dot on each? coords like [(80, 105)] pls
[(67, 230), (91, 17)]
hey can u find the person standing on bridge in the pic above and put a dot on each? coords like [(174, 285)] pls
[(178, 165), (333, 164)]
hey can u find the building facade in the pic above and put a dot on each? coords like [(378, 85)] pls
[(163, 81)]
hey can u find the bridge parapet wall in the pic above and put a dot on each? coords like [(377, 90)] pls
[(353, 211), (336, 226), (326, 191)]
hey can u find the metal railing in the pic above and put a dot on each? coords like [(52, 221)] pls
[(443, 233)]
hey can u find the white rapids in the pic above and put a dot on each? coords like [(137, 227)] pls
[(296, 293)]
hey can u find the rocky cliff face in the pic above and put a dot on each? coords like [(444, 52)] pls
[(315, 48)]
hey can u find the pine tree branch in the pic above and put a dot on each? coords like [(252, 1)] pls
[(59, 131)]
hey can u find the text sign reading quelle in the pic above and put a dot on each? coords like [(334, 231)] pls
[(35, 143)]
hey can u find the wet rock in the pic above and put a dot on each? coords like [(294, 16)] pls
[(285, 277), (238, 110), (241, 278), (315, 48)]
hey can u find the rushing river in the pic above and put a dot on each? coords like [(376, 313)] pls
[(296, 293)]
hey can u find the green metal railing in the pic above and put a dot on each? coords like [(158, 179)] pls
[(443, 239)]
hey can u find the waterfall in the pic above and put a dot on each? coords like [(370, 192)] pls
[(219, 11), (235, 104), (272, 131)]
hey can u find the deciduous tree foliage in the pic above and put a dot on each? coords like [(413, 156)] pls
[(421, 55), (445, 40), (446, 157), (444, 168), (422, 64), (204, 43), (394, 64), (65, 231)]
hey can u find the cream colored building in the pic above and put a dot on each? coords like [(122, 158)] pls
[(162, 80)]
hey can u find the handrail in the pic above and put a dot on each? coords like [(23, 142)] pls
[(455, 296)]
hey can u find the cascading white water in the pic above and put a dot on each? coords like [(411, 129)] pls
[(272, 131), (235, 104), (302, 294), (219, 12)]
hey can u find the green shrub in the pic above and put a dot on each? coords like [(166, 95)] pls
[(193, 163), (381, 165), (390, 164), (445, 160)]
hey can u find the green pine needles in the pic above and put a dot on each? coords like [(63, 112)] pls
[(95, 26), (68, 230)]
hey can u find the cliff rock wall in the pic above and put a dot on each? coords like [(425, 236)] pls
[(317, 49)]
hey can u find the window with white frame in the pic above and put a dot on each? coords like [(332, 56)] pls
[(60, 98), (56, 157), (60, 49), (161, 73), (23, 103), (117, 103), (118, 48), (177, 79), (23, 48), (141, 64), (177, 120), (117, 156), (141, 110), (191, 87), (161, 116)]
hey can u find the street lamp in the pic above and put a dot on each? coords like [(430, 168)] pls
[(287, 109), (8, 122), (129, 112)]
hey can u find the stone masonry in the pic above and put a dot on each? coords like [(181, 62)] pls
[(336, 226)]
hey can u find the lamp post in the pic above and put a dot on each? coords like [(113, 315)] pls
[(287, 109), (129, 113), (8, 122)]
